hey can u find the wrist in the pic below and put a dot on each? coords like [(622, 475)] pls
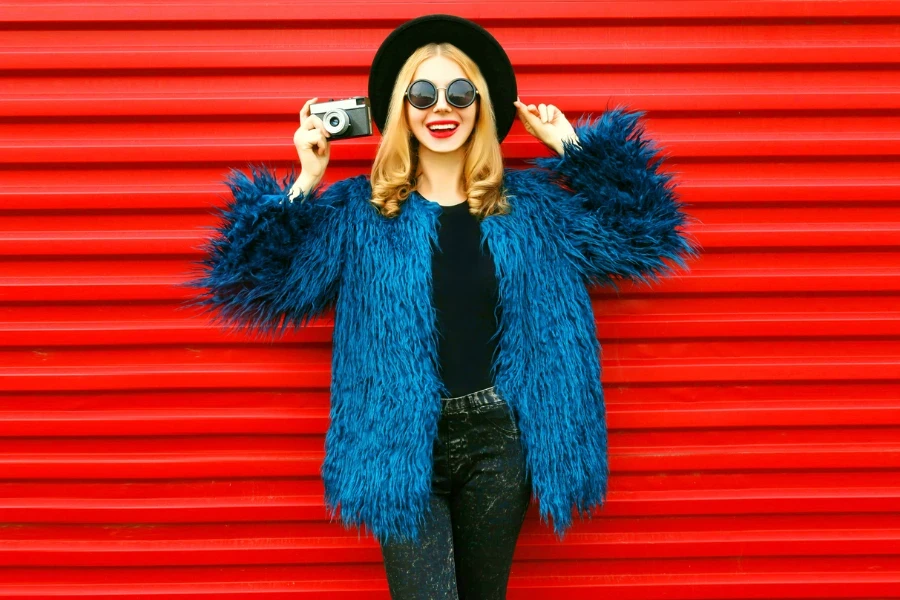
[(572, 139), (306, 183)]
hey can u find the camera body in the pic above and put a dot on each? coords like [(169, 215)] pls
[(343, 119)]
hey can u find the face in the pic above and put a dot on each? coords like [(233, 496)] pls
[(441, 71)]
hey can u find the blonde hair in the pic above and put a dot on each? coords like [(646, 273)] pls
[(396, 161)]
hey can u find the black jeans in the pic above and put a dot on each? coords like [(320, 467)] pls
[(480, 494)]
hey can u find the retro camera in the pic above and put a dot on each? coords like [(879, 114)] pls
[(344, 119)]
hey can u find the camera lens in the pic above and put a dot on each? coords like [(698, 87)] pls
[(336, 121)]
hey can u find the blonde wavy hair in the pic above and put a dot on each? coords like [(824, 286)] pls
[(396, 163)]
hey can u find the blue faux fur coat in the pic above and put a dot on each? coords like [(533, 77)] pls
[(601, 211)]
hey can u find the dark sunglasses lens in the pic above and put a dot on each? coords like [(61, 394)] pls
[(422, 94), (461, 93)]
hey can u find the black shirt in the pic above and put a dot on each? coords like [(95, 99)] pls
[(465, 298)]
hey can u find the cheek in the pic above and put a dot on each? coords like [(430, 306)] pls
[(410, 118)]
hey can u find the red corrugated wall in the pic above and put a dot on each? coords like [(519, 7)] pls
[(754, 403)]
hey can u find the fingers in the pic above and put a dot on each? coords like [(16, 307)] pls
[(528, 110), (315, 123), (305, 111), (312, 135), (309, 122), (545, 112), (318, 141)]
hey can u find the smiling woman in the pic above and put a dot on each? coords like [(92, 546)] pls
[(441, 153), (455, 166), (439, 84), (466, 373)]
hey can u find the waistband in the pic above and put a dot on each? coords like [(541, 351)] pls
[(470, 401)]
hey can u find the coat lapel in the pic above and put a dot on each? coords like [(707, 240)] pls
[(386, 403), (548, 367)]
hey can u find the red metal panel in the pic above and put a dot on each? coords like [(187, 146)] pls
[(754, 403)]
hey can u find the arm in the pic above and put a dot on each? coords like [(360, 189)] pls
[(273, 260), (302, 187), (620, 213)]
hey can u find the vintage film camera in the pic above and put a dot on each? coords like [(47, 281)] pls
[(345, 119)]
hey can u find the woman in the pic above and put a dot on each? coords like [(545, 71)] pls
[(465, 373)]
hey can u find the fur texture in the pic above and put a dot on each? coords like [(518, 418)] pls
[(623, 214), (601, 211), (272, 263)]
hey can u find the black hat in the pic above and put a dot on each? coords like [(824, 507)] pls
[(469, 37)]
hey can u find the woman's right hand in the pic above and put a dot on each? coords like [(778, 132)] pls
[(311, 141)]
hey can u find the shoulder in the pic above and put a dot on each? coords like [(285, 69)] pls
[(540, 205), (530, 189), (523, 178), (341, 200), (348, 191)]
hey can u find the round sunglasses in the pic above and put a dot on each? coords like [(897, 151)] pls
[(460, 93)]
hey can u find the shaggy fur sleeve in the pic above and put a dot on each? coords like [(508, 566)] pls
[(272, 262), (620, 213)]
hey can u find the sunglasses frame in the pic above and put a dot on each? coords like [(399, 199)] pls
[(437, 92)]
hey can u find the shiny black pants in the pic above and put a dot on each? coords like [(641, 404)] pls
[(480, 494)]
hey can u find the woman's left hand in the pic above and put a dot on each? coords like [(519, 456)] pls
[(547, 123)]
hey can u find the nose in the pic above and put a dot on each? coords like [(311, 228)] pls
[(442, 104)]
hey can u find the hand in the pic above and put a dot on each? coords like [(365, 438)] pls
[(547, 123), (311, 141)]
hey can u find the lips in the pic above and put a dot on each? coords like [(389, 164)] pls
[(442, 133)]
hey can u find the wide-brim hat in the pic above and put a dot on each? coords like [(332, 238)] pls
[(466, 35)]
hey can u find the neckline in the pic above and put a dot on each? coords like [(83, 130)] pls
[(452, 206), (439, 205)]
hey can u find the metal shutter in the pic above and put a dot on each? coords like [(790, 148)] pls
[(753, 403)]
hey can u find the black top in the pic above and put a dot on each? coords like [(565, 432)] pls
[(465, 298)]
